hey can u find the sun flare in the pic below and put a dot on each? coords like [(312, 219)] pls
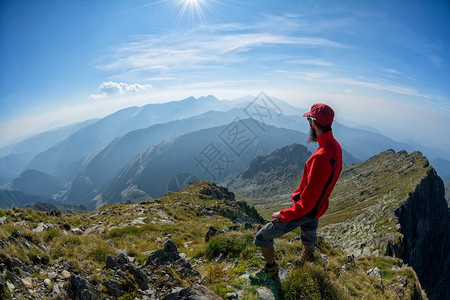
[(191, 9)]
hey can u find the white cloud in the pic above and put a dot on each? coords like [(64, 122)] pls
[(111, 88), (314, 62), (181, 51)]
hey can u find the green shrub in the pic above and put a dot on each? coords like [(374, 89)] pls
[(216, 245), (99, 254), (51, 234), (231, 245), (71, 241), (131, 230), (309, 282)]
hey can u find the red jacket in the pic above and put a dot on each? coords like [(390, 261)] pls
[(319, 176)]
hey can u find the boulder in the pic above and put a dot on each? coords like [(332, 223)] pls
[(164, 256), (213, 232), (195, 292), (79, 288)]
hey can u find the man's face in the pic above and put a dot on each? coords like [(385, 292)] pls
[(312, 133)]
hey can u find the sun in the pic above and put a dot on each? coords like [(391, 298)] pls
[(191, 10)]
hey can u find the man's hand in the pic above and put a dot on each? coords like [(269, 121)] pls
[(275, 217)]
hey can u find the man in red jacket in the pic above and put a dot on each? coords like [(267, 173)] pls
[(310, 199)]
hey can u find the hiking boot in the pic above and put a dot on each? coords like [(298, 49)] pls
[(266, 273), (271, 270), (306, 255)]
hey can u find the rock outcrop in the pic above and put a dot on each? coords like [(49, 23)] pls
[(425, 244), (237, 211), (393, 204)]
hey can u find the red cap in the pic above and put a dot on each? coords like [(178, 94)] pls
[(322, 113)]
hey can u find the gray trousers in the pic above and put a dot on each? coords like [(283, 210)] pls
[(308, 228)]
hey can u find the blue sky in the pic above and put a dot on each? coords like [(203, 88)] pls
[(384, 64)]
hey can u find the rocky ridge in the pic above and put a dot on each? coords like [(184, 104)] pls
[(393, 204), (157, 250)]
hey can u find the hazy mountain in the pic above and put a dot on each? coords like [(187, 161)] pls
[(102, 165), (43, 141), (212, 154), (10, 198), (276, 174), (14, 158), (442, 166), (35, 182), (10, 167), (65, 159), (63, 209)]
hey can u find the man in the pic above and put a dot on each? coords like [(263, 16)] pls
[(310, 199)]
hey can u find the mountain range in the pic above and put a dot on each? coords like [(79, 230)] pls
[(90, 160)]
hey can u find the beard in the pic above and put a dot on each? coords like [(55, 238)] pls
[(312, 135)]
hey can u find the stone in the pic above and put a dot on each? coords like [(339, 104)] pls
[(113, 288), (100, 230), (79, 288), (13, 278), (139, 277), (195, 292), (52, 275), (47, 282), (265, 293), (212, 232), (27, 282), (76, 230), (164, 256), (43, 247), (112, 263), (2, 220), (65, 274), (10, 286), (55, 213), (56, 290), (41, 227)]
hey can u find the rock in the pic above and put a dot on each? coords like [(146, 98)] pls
[(55, 213), (113, 288), (65, 274), (195, 292), (2, 243), (22, 266), (213, 232), (232, 296), (52, 275), (10, 286), (47, 282), (375, 272), (79, 288), (164, 256), (76, 230), (124, 264), (112, 263), (13, 278), (219, 257), (139, 277), (2, 220), (27, 282), (100, 230), (40, 228), (56, 290), (265, 293), (43, 247)]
